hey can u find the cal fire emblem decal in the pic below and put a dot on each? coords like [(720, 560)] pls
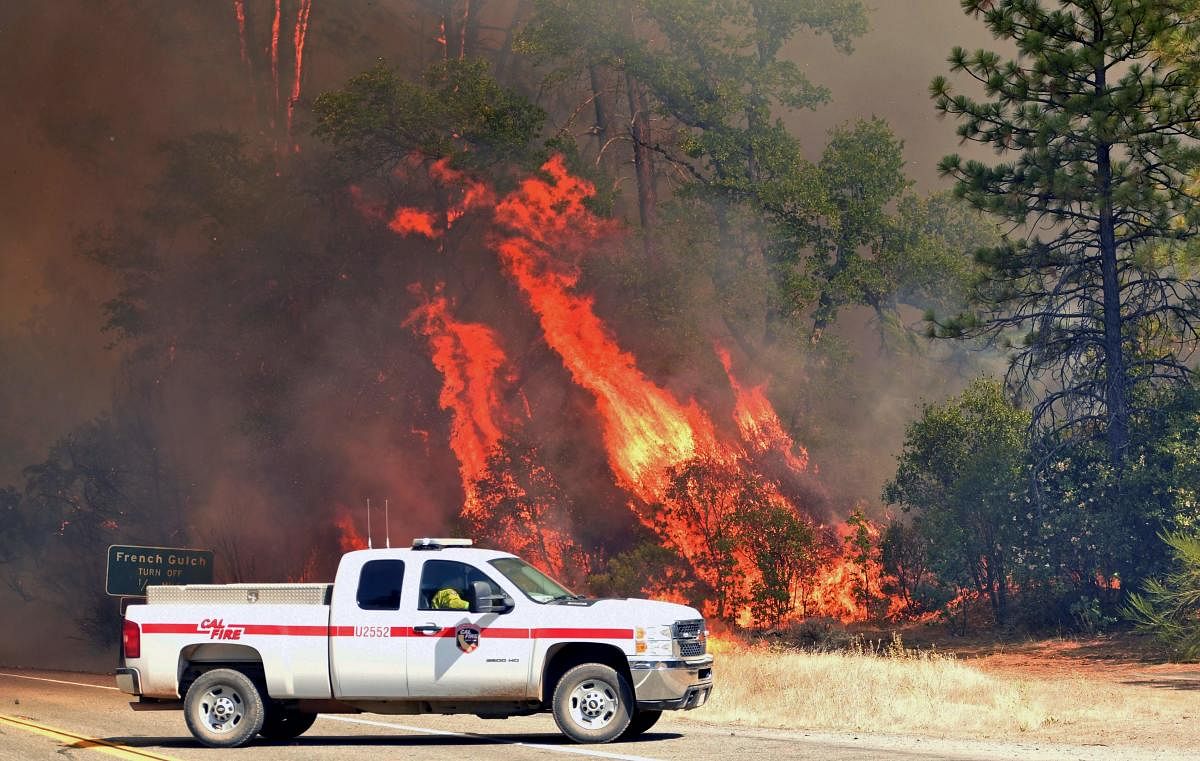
[(467, 637)]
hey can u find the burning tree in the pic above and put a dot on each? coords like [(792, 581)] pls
[(746, 543), (702, 515), (523, 510), (782, 545)]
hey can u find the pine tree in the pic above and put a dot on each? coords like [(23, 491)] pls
[(1095, 121), (1170, 609)]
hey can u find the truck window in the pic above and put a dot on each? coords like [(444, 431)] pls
[(536, 585), (451, 574), (379, 585)]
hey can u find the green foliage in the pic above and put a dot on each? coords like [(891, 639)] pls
[(962, 473), (709, 497), (713, 74), (459, 111), (1169, 608), (1071, 555), (1097, 132), (881, 246), (904, 556), (1095, 535), (1089, 616), (781, 545), (649, 563), (862, 552)]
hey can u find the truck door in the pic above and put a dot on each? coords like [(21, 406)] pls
[(368, 641), (454, 653)]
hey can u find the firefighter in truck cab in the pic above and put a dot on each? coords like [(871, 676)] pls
[(451, 591)]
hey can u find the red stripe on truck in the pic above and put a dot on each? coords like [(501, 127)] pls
[(170, 628), (492, 632), (499, 633)]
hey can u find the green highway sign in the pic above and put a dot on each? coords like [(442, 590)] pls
[(132, 569)]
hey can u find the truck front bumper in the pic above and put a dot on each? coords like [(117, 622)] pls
[(129, 680), (669, 685)]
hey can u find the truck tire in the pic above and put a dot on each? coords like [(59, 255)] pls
[(281, 723), (592, 703), (223, 708), (640, 724)]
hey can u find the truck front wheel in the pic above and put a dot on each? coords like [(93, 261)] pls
[(640, 724), (281, 723), (592, 703), (223, 708)]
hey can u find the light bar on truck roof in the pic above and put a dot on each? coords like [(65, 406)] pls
[(431, 543)]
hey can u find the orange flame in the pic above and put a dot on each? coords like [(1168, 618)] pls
[(469, 357), (646, 430), (649, 435), (466, 193), (348, 537), (298, 37), (275, 51), (410, 221), (239, 12), (757, 420), (474, 194)]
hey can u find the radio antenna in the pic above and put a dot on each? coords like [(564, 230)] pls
[(387, 534), (368, 523)]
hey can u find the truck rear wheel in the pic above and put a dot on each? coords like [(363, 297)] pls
[(592, 703), (223, 708), (281, 723), (640, 724)]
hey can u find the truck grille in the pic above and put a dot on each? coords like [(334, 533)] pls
[(690, 638)]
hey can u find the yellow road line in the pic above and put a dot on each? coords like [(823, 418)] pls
[(72, 740)]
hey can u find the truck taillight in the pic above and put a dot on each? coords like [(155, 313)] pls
[(131, 639)]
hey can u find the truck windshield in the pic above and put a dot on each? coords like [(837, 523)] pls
[(536, 585)]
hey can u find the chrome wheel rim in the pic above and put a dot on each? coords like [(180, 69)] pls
[(221, 709), (593, 704)]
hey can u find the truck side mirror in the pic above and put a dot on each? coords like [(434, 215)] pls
[(484, 601)]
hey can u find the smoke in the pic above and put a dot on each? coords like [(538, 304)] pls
[(279, 378)]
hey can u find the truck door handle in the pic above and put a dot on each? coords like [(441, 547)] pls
[(427, 629)]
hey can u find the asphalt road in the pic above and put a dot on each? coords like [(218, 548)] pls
[(57, 715)]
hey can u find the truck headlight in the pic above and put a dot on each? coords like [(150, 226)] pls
[(652, 640), (654, 632)]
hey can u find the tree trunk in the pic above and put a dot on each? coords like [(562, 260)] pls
[(449, 32), (470, 28), (643, 161), (602, 129), (1115, 370)]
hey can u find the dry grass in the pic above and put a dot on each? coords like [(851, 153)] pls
[(893, 689)]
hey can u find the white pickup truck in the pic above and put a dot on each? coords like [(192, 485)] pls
[(264, 659)]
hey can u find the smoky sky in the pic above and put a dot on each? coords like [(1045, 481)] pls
[(92, 89)]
